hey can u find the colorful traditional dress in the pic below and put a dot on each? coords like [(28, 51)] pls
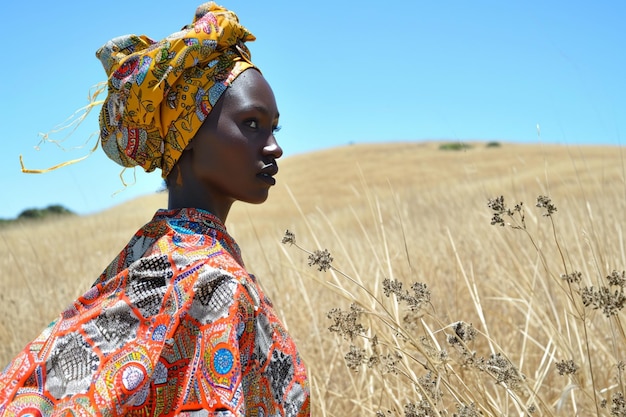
[(174, 326)]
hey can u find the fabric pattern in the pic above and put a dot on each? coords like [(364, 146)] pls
[(159, 93), (173, 326)]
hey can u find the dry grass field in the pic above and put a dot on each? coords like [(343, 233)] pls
[(490, 320)]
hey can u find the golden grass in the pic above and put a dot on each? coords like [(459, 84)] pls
[(405, 211)]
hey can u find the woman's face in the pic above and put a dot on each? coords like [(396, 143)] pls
[(234, 152)]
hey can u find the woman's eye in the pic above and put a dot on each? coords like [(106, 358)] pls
[(254, 124)]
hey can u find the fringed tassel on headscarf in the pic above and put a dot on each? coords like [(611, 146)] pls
[(72, 122)]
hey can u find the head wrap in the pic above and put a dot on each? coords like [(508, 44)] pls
[(159, 93)]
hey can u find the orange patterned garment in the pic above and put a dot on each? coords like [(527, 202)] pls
[(174, 326)]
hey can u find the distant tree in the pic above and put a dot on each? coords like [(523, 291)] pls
[(52, 210), (454, 146), (32, 213), (57, 209)]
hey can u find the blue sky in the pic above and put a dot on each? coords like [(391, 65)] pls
[(343, 72)]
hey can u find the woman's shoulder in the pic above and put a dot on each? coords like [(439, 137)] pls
[(184, 234)]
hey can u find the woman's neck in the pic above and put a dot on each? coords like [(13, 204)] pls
[(184, 191)]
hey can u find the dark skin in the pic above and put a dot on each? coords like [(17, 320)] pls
[(233, 155)]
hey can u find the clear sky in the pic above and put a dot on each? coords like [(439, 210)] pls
[(342, 71)]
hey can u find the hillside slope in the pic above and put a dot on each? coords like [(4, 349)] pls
[(404, 210)]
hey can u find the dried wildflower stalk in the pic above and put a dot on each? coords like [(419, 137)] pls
[(455, 369), (412, 352), (609, 299)]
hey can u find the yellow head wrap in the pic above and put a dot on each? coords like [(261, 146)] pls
[(159, 93)]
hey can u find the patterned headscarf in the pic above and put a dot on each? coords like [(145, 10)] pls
[(159, 93)]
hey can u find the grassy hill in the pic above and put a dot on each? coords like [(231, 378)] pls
[(403, 213)]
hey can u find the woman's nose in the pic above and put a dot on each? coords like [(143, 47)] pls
[(273, 148)]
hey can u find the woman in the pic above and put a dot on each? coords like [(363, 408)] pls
[(175, 325)]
